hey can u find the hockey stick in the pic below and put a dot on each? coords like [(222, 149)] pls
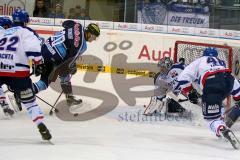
[(55, 109), (52, 106)]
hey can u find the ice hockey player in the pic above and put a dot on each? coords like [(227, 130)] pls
[(15, 70), (164, 82), (21, 19), (60, 53), (216, 82), (5, 23)]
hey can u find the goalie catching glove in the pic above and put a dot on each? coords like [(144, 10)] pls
[(38, 68)]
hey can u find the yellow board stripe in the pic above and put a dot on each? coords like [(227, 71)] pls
[(110, 69)]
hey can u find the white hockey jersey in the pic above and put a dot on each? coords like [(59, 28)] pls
[(199, 70), (17, 47), (167, 82), (1, 29)]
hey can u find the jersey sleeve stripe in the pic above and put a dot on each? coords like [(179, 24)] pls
[(22, 65), (33, 54), (234, 92)]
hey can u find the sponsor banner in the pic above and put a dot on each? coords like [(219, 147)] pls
[(42, 21), (185, 8), (154, 28), (187, 19), (127, 26), (181, 30), (101, 24), (229, 34), (152, 13), (8, 6), (116, 70), (58, 22), (173, 14), (206, 32)]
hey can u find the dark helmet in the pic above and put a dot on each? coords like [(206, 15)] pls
[(20, 15), (93, 29), (165, 62), (5, 21), (210, 51)]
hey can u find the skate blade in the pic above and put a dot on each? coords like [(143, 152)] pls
[(233, 140), (47, 142)]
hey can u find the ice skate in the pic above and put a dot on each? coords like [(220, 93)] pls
[(229, 135), (71, 100), (44, 132), (6, 109)]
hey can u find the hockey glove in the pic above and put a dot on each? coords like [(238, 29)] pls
[(193, 97), (38, 68)]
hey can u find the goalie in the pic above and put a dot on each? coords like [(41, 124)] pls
[(164, 82)]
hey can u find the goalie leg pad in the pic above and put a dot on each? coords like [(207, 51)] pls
[(155, 105)]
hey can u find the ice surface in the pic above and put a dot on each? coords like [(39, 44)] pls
[(119, 135)]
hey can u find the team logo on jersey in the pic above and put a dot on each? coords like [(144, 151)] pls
[(174, 74), (76, 35)]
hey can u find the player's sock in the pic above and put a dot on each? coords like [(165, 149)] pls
[(232, 116), (216, 125)]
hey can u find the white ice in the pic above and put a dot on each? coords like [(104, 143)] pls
[(111, 137)]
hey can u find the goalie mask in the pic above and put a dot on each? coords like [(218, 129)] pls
[(165, 64)]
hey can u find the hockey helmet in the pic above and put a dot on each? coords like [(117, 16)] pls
[(93, 29), (210, 51), (165, 62), (5, 21), (20, 15)]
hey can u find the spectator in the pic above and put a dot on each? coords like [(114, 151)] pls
[(71, 14), (84, 14), (57, 13), (78, 10), (40, 9)]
